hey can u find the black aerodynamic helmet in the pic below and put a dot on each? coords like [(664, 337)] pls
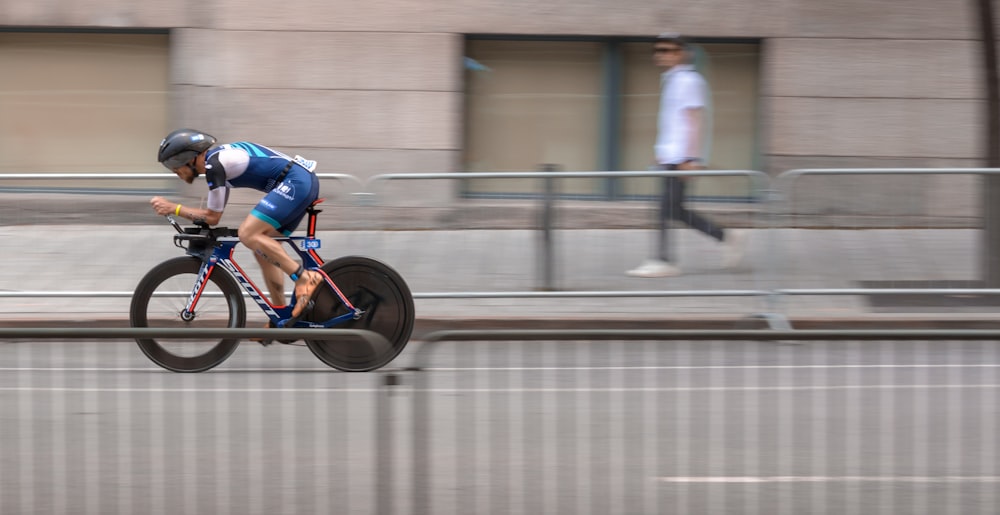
[(183, 145)]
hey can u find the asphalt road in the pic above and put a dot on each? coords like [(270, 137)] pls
[(507, 427)]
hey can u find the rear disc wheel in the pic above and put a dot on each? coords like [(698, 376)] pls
[(383, 296)]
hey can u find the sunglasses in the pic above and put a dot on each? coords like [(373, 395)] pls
[(666, 50)]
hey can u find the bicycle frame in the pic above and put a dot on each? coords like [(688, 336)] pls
[(219, 253)]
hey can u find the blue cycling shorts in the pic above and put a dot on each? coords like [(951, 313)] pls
[(284, 206)]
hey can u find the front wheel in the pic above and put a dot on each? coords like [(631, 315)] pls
[(381, 293), (159, 301)]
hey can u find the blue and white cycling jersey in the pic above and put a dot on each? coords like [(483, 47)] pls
[(248, 165)]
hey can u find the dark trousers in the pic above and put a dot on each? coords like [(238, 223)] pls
[(672, 208)]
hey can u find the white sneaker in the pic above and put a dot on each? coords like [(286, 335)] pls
[(654, 268), (736, 247)]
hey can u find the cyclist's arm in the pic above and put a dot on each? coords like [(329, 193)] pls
[(165, 207), (201, 215)]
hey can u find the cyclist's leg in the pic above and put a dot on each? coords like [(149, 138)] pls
[(274, 277), (258, 235), (280, 211)]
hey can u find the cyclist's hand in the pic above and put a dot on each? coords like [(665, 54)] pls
[(162, 206)]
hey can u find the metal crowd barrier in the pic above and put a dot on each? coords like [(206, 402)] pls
[(636, 421), (779, 274), (899, 243), (545, 285), (75, 179), (132, 176), (370, 194), (518, 421)]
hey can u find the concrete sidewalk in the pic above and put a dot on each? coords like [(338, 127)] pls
[(436, 264)]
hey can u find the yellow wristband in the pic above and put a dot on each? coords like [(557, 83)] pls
[(177, 210)]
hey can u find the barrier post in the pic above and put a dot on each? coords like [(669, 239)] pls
[(545, 244)]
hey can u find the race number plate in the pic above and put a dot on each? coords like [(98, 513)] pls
[(305, 163), (310, 243)]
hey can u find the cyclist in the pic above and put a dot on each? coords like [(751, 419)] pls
[(289, 184)]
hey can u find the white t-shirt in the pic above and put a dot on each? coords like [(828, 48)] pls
[(682, 88)]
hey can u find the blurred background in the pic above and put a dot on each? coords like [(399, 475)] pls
[(383, 91), (478, 86)]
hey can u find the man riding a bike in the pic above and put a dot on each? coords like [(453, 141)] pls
[(289, 184)]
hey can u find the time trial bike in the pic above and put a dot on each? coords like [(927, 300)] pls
[(205, 289)]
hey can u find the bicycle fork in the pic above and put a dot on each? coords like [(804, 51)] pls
[(188, 313)]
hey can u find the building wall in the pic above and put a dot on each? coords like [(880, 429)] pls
[(356, 101), (372, 87)]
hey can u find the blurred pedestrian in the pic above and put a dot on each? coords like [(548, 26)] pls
[(682, 142)]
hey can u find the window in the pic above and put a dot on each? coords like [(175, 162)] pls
[(82, 102), (592, 105)]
